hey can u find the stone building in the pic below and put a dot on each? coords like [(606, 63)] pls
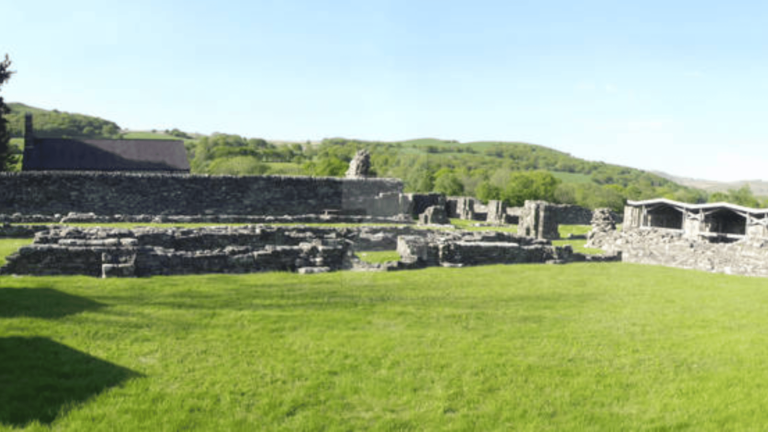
[(67, 154)]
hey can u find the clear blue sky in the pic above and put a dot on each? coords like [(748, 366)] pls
[(678, 86)]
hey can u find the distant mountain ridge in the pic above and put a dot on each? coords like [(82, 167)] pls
[(758, 187)]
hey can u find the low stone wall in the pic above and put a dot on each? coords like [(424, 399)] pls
[(459, 249), (567, 214), (671, 248), (21, 231), (165, 251), (111, 252)]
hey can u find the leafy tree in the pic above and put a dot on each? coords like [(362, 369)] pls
[(718, 197), (536, 185), (420, 178), (5, 136), (178, 134), (485, 192), (448, 184), (239, 165), (743, 196)]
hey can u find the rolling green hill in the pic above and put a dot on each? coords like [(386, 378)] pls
[(509, 171), (60, 124)]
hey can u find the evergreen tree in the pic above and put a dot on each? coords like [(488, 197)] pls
[(5, 136)]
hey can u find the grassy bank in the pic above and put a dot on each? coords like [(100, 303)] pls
[(526, 347)]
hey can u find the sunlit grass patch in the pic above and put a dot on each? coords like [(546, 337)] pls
[(378, 257), (523, 347)]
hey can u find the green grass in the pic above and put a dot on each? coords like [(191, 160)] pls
[(470, 226), (566, 230), (379, 257), (578, 246), (8, 246), (148, 135), (526, 347)]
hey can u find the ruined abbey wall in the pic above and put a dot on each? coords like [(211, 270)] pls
[(672, 248), (110, 193)]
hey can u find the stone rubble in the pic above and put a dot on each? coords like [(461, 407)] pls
[(603, 229)]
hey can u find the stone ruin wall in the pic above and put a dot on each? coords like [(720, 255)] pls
[(674, 248), (539, 221), (114, 252), (108, 193), (460, 249), (659, 246), (564, 214)]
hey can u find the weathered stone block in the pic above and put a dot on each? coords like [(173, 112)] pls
[(538, 221), (117, 270), (434, 215), (497, 212)]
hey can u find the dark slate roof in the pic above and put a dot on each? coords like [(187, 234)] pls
[(105, 155)]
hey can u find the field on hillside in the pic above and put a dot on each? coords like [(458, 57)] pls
[(523, 347)]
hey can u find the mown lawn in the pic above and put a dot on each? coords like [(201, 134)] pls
[(525, 347)]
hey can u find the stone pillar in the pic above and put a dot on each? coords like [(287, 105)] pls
[(692, 223), (632, 218), (497, 212), (465, 207), (538, 221)]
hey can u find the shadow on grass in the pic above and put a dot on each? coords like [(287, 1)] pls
[(41, 378), (45, 303)]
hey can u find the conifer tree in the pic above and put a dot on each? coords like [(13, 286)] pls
[(5, 135)]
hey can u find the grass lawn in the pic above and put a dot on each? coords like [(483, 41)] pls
[(379, 257), (525, 347)]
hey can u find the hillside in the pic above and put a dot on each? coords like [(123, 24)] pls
[(60, 124), (508, 171), (758, 187)]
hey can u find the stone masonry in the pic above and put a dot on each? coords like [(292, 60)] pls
[(111, 193), (538, 221), (110, 252), (497, 212), (459, 249)]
